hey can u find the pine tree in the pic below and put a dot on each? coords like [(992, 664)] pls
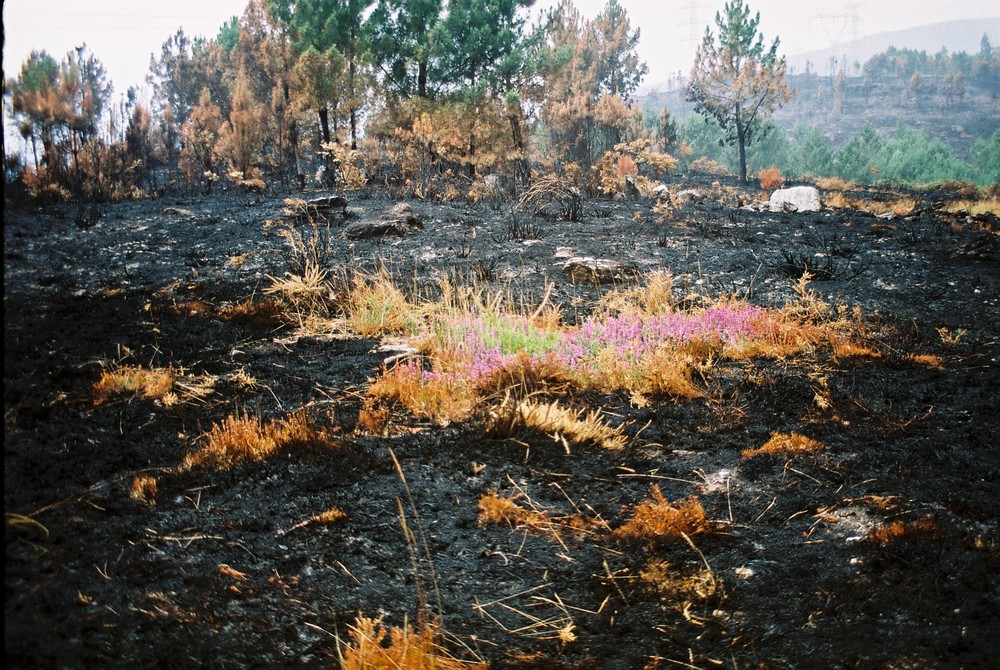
[(735, 80)]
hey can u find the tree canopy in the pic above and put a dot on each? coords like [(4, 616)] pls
[(736, 80)]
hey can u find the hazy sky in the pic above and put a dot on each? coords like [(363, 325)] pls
[(124, 33)]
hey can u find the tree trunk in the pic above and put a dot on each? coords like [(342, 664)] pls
[(422, 78), (742, 141), (293, 139), (324, 124), (354, 111), (522, 171)]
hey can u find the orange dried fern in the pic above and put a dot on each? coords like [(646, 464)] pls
[(374, 647), (657, 520), (787, 444)]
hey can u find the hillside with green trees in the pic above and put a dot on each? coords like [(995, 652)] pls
[(902, 116)]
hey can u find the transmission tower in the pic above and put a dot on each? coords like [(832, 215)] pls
[(835, 26)]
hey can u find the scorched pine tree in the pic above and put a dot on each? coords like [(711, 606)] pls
[(735, 80)]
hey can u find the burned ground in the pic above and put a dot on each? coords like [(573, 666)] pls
[(879, 552)]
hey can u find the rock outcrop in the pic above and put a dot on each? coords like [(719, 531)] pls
[(795, 199), (399, 220)]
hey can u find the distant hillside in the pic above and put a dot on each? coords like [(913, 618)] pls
[(882, 104), (951, 35), (954, 36)]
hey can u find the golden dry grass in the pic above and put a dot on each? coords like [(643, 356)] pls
[(376, 306), (849, 348), (926, 360), (787, 444), (974, 207), (674, 584), (306, 294), (563, 425), (373, 646), (670, 372), (505, 510), (237, 260), (652, 297), (657, 520), (439, 397), (770, 179), (834, 184), (332, 515), (153, 383), (265, 313), (523, 377), (899, 530), (241, 438), (143, 489), (373, 418)]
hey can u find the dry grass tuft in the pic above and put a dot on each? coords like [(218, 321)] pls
[(670, 372), (926, 360), (834, 184), (787, 444), (237, 260), (153, 383), (243, 380), (375, 306), (657, 520), (332, 515), (306, 294), (770, 179), (504, 510), (237, 439), (143, 489), (241, 438), (708, 166), (675, 585), (652, 297), (837, 200), (563, 425), (974, 207), (373, 418), (439, 397), (373, 647), (524, 377), (900, 530), (900, 207), (266, 313), (553, 192), (848, 348)]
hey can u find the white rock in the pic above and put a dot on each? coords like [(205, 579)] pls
[(688, 196), (795, 199)]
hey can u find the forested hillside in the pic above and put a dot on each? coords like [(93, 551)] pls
[(946, 102)]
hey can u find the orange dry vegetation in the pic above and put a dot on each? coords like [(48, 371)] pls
[(407, 649), (927, 360), (496, 509), (242, 438), (770, 179), (143, 489), (898, 530), (787, 444), (134, 379), (658, 520), (265, 313)]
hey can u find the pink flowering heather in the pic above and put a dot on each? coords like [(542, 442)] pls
[(470, 348), (631, 337)]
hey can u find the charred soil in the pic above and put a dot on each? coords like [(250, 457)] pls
[(879, 551)]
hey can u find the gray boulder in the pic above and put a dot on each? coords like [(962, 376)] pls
[(399, 220), (589, 270), (795, 199)]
